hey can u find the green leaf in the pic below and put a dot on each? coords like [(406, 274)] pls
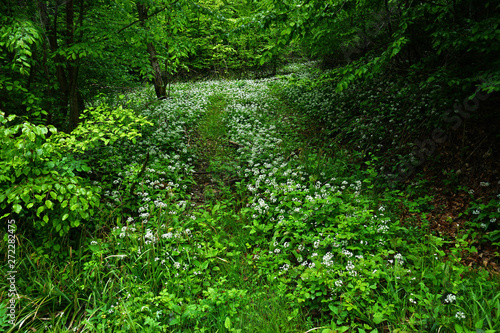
[(174, 321), (84, 202), (227, 323), (65, 216), (49, 204), (378, 318), (17, 208)]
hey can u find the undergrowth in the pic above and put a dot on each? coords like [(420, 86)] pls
[(226, 216)]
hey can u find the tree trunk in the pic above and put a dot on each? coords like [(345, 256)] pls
[(66, 69), (74, 105), (50, 46), (60, 72), (158, 81)]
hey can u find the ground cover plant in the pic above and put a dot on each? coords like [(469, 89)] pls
[(227, 214), (441, 142)]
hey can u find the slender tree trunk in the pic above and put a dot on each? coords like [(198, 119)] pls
[(66, 69), (60, 72), (50, 31), (158, 81), (42, 10), (74, 105)]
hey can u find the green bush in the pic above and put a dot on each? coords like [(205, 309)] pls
[(43, 172)]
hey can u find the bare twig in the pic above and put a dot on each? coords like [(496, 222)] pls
[(155, 13)]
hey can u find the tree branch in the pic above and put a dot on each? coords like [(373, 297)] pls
[(139, 20)]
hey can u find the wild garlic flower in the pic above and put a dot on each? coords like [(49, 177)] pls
[(450, 298)]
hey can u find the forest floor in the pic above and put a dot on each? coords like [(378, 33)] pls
[(468, 160), (249, 217)]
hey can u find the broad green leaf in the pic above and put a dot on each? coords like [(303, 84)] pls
[(17, 208), (49, 204), (378, 318)]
